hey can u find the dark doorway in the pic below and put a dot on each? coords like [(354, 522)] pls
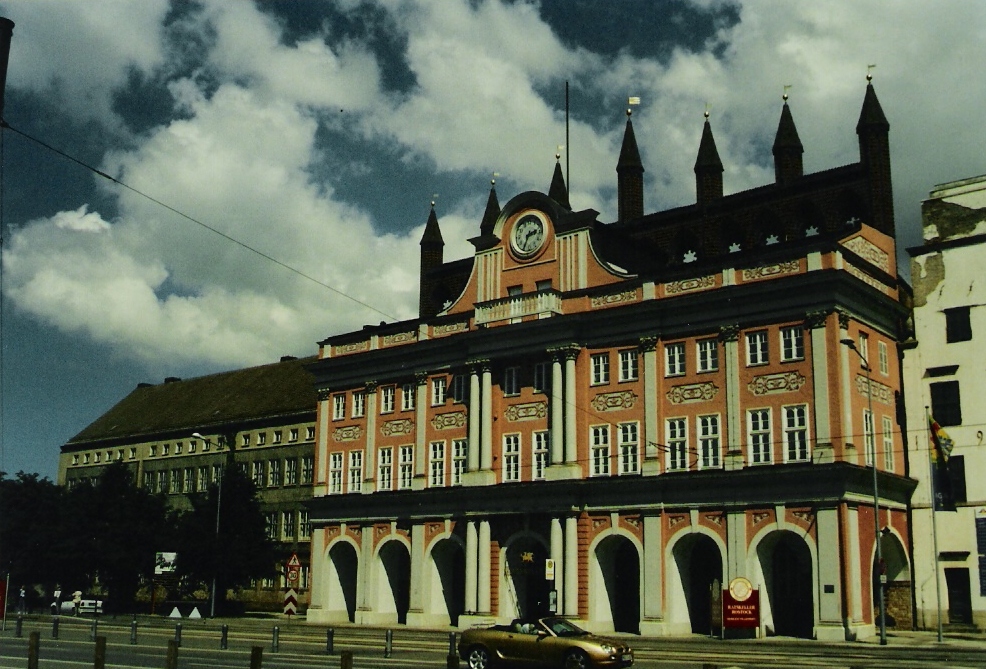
[(525, 564), (705, 566), (343, 587), (790, 589), (397, 566), (450, 563), (620, 567), (959, 595)]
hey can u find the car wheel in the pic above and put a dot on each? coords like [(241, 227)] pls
[(576, 659), (479, 658)]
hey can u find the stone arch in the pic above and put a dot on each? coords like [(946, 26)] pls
[(695, 559), (615, 578), (523, 587), (897, 591), (341, 578), (392, 580), (785, 573), (445, 583)]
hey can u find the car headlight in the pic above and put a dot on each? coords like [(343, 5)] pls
[(606, 648)]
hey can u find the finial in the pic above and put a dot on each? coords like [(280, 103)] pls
[(869, 72), (786, 88), (434, 196), (707, 108), (560, 148), (629, 112), (632, 100), (493, 178)]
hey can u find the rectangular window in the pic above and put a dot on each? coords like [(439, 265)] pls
[(542, 377), (677, 433), (273, 473), (270, 526), (175, 481), (511, 457), (792, 343), (540, 459), (387, 399), (438, 390), (958, 325), (599, 450), (460, 388), (511, 381), (278, 434), (304, 525), (310, 433), (600, 368), (149, 482), (460, 450), (291, 471), (407, 397), (359, 404), (888, 444), (178, 448), (436, 465), (629, 370), (162, 481), (674, 359), (293, 434), (203, 478), (244, 441), (188, 480), (629, 445), (258, 473), (946, 405), (307, 469), (261, 438), (355, 479), (709, 453), (708, 355), (287, 525), (796, 433), (956, 475), (759, 436), (869, 438), (385, 469), (756, 348), (335, 473), (864, 347), (153, 451), (883, 357), (406, 472), (338, 407), (217, 475)]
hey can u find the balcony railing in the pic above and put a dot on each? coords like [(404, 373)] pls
[(515, 307)]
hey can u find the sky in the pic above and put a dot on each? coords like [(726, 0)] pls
[(279, 159)]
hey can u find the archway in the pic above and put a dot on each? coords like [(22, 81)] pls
[(526, 589), (699, 563), (619, 569), (786, 566), (341, 580), (448, 580), (898, 588), (393, 580)]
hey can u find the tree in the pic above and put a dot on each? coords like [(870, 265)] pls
[(239, 551)]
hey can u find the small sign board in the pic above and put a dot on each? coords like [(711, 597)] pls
[(549, 569), (740, 605), (164, 563)]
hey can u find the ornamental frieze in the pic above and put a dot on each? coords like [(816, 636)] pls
[(448, 421), (399, 338), (881, 393), (355, 347), (869, 251), (685, 285), (789, 267), (769, 384), (692, 392), (676, 520), (614, 401), (348, 433), (392, 428), (865, 278), (450, 328), (617, 298), (760, 516), (528, 411)]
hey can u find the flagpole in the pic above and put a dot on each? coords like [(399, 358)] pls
[(934, 517)]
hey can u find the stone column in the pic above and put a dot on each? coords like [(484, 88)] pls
[(486, 432), (571, 595), (472, 555), (416, 603), (652, 608), (557, 543), (829, 587), (815, 323), (483, 585), (733, 457), (571, 406), (475, 417), (364, 582), (557, 410), (652, 456), (371, 437), (421, 405)]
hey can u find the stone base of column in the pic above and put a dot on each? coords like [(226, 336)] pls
[(427, 619), (562, 472), (833, 631), (733, 461), (382, 619), (314, 615), (481, 478), (662, 628)]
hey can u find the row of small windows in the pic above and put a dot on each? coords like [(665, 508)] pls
[(265, 474), (290, 525), (246, 439), (96, 457)]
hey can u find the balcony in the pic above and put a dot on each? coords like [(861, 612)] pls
[(515, 307)]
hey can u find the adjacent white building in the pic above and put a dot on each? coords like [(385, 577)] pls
[(945, 373)]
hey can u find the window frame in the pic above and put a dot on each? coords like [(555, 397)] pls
[(888, 443), (511, 457), (511, 381), (540, 454), (339, 406), (599, 368), (387, 395), (676, 435), (629, 365), (408, 396), (354, 471), (359, 404), (674, 359), (405, 466), (709, 441), (628, 447), (757, 348), (958, 324), (385, 468), (599, 450), (439, 391), (760, 440), (335, 473), (707, 360), (792, 343), (797, 440), (946, 402), (436, 464)]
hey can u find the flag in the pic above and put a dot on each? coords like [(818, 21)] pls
[(941, 449)]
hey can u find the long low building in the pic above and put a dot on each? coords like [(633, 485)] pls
[(608, 420)]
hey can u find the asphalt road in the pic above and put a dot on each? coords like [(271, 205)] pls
[(302, 645)]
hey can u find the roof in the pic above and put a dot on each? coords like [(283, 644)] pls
[(280, 389)]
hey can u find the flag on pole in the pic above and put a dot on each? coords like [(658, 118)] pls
[(941, 449)]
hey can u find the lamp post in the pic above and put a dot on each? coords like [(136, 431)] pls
[(851, 345), (219, 501)]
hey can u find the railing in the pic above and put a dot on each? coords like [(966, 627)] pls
[(542, 304)]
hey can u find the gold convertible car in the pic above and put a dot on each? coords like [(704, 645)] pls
[(550, 642)]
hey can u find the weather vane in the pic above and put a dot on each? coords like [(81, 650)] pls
[(869, 72), (708, 106), (787, 87), (493, 178), (631, 101)]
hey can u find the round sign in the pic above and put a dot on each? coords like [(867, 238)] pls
[(740, 589), (292, 575)]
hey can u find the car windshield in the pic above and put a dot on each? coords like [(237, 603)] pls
[(561, 627)]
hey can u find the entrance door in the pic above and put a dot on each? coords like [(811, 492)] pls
[(790, 597), (959, 595)]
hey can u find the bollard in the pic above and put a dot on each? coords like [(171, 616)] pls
[(257, 657), (93, 628), (99, 656), (275, 639), (388, 648), (224, 639), (178, 634), (452, 661), (133, 631), (19, 627), (54, 627), (330, 635), (32, 650), (171, 660), (346, 659)]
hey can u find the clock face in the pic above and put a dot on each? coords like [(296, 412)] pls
[(528, 235)]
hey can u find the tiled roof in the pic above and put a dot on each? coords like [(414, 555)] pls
[(206, 402)]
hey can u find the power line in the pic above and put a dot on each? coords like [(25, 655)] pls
[(208, 227)]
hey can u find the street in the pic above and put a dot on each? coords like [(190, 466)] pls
[(301, 645)]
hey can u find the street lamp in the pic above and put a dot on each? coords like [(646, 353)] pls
[(219, 501), (851, 345)]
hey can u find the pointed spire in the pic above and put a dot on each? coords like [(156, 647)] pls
[(557, 191), (874, 155), (708, 167), (630, 176), (492, 211), (432, 257), (871, 117), (788, 149), (433, 233)]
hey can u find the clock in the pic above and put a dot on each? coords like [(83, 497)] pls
[(528, 235)]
